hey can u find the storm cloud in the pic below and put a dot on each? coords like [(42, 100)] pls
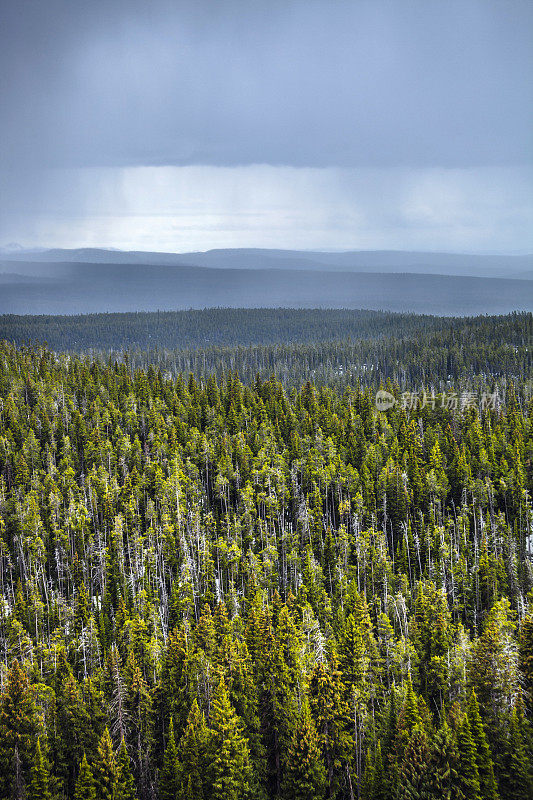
[(386, 94)]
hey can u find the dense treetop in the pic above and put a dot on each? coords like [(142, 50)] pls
[(218, 589)]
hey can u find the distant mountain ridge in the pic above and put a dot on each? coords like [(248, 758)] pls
[(82, 287), (376, 261)]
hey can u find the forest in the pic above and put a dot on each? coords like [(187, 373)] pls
[(335, 348), (481, 353), (245, 327), (217, 327), (227, 575)]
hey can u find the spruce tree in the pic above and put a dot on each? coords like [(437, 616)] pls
[(304, 775), (169, 776), (468, 775), (105, 768), (39, 788), (487, 782), (230, 757), (85, 789), (125, 784)]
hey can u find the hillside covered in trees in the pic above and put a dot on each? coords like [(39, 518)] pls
[(330, 347), (480, 352), (227, 590), (245, 327), (211, 327)]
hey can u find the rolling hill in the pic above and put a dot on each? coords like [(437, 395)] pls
[(75, 287)]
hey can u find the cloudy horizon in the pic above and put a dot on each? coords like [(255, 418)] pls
[(304, 125)]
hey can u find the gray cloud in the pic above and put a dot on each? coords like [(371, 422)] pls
[(301, 83), (379, 84)]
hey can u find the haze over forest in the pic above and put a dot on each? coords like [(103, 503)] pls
[(92, 280)]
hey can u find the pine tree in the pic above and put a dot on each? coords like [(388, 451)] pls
[(433, 639), (390, 727), (193, 749), (526, 660), (128, 499), (373, 784), (330, 717), (139, 703), (169, 777), (353, 660), (85, 789), (78, 731), (468, 775), (487, 782), (276, 698), (19, 730), (409, 717), (230, 758), (305, 775), (444, 773), (515, 779), (494, 673), (82, 607), (414, 768), (39, 788), (172, 696), (369, 776), (105, 768), (125, 785)]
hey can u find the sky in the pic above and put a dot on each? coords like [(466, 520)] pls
[(309, 124)]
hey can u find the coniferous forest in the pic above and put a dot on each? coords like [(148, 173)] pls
[(223, 585)]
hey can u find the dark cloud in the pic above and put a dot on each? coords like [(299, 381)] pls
[(299, 83), (407, 102)]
